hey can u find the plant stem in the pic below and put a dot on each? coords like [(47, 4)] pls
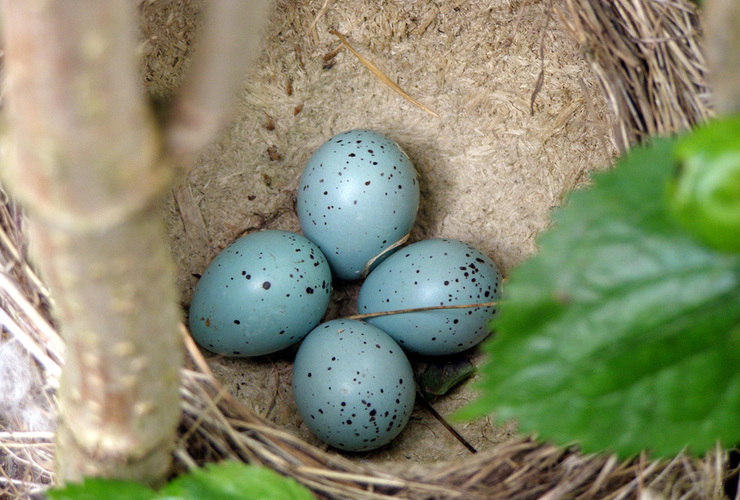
[(722, 32), (228, 41), (92, 167), (86, 160), (419, 309)]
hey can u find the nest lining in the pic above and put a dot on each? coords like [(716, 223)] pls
[(648, 62), (490, 170)]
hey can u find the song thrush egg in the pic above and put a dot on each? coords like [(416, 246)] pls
[(434, 272), (260, 294), (353, 385), (358, 197)]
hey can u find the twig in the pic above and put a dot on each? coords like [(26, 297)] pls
[(211, 408), (192, 349), (381, 76), (229, 39), (520, 14), (33, 488), (419, 309), (444, 422), (25, 436), (190, 214), (312, 26), (541, 77), (723, 43)]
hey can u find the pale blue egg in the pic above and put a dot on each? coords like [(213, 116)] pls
[(358, 196), (353, 385), (434, 272), (260, 294)]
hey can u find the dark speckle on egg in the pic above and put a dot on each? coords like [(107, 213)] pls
[(236, 317), (433, 272), (351, 205), (363, 415)]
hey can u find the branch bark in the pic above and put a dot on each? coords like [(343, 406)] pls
[(89, 162), (229, 40), (722, 31)]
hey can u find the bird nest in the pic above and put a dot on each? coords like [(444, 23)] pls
[(647, 58)]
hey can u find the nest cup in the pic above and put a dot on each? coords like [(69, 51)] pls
[(531, 97)]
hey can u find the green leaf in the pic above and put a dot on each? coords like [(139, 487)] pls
[(97, 488), (235, 481), (224, 481), (623, 332)]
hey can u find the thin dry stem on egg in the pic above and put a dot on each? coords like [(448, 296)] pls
[(421, 309)]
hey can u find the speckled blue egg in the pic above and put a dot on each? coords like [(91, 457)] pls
[(353, 385), (260, 294), (435, 272), (358, 196)]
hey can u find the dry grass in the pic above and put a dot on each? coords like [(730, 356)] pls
[(647, 58), (214, 427)]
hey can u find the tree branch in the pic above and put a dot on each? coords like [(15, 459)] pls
[(75, 99), (86, 159), (91, 165), (722, 32), (229, 39)]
